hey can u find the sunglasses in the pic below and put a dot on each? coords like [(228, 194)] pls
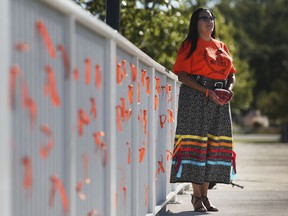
[(206, 18)]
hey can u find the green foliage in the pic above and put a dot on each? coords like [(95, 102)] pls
[(262, 36)]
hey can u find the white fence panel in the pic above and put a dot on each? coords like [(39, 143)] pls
[(91, 121)]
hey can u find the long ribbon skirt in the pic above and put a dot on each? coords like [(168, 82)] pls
[(203, 140)]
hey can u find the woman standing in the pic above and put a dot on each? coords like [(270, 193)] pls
[(203, 141)]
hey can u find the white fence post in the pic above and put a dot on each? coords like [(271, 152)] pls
[(135, 146), (152, 146), (70, 118), (5, 145), (110, 127)]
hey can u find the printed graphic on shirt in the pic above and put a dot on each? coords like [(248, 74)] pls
[(218, 61)]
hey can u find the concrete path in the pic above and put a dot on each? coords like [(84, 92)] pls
[(263, 171)]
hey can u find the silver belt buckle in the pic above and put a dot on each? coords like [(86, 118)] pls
[(216, 85)]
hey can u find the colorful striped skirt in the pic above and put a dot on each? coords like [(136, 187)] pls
[(203, 141)]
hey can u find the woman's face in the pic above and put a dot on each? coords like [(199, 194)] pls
[(205, 23)]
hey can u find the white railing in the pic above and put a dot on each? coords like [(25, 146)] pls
[(90, 122)]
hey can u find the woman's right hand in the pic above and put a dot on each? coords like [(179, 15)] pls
[(213, 97)]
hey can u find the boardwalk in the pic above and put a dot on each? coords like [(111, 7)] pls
[(262, 170)]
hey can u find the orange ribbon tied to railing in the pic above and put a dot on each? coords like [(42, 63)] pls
[(161, 167), (50, 87), (163, 119), (76, 74), (80, 194), (145, 121), (97, 137), (87, 71), (58, 185), (158, 85), (28, 178), (118, 117), (142, 151), (118, 74), (134, 72), (169, 155), (93, 110), (138, 92), (124, 73), (148, 85), (93, 212), (168, 92), (156, 102), (98, 77), (143, 75), (170, 119), (83, 119), (130, 93), (46, 149), (129, 152), (46, 38), (22, 47), (65, 59), (29, 103), (14, 72)]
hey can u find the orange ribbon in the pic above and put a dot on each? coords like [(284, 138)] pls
[(128, 114), (141, 154), (57, 185), (93, 212), (124, 73), (83, 119), (46, 149), (162, 121), (138, 92), (76, 74), (87, 71), (168, 91), (158, 85), (143, 74), (46, 38), (145, 121), (134, 72), (169, 155), (130, 94), (65, 59), (118, 75), (98, 76), (22, 47), (50, 86), (118, 117), (170, 119), (161, 167), (123, 108), (156, 102), (29, 103), (81, 195), (14, 72), (129, 152), (148, 85), (97, 138), (93, 111), (27, 180), (125, 195)]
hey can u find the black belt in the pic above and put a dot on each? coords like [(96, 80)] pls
[(210, 83)]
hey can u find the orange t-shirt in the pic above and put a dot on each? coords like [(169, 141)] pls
[(210, 59)]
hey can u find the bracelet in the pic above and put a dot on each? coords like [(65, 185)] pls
[(207, 92)]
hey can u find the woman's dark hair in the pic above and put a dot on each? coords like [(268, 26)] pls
[(193, 35)]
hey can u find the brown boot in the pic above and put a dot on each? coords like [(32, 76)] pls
[(198, 204), (208, 205)]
